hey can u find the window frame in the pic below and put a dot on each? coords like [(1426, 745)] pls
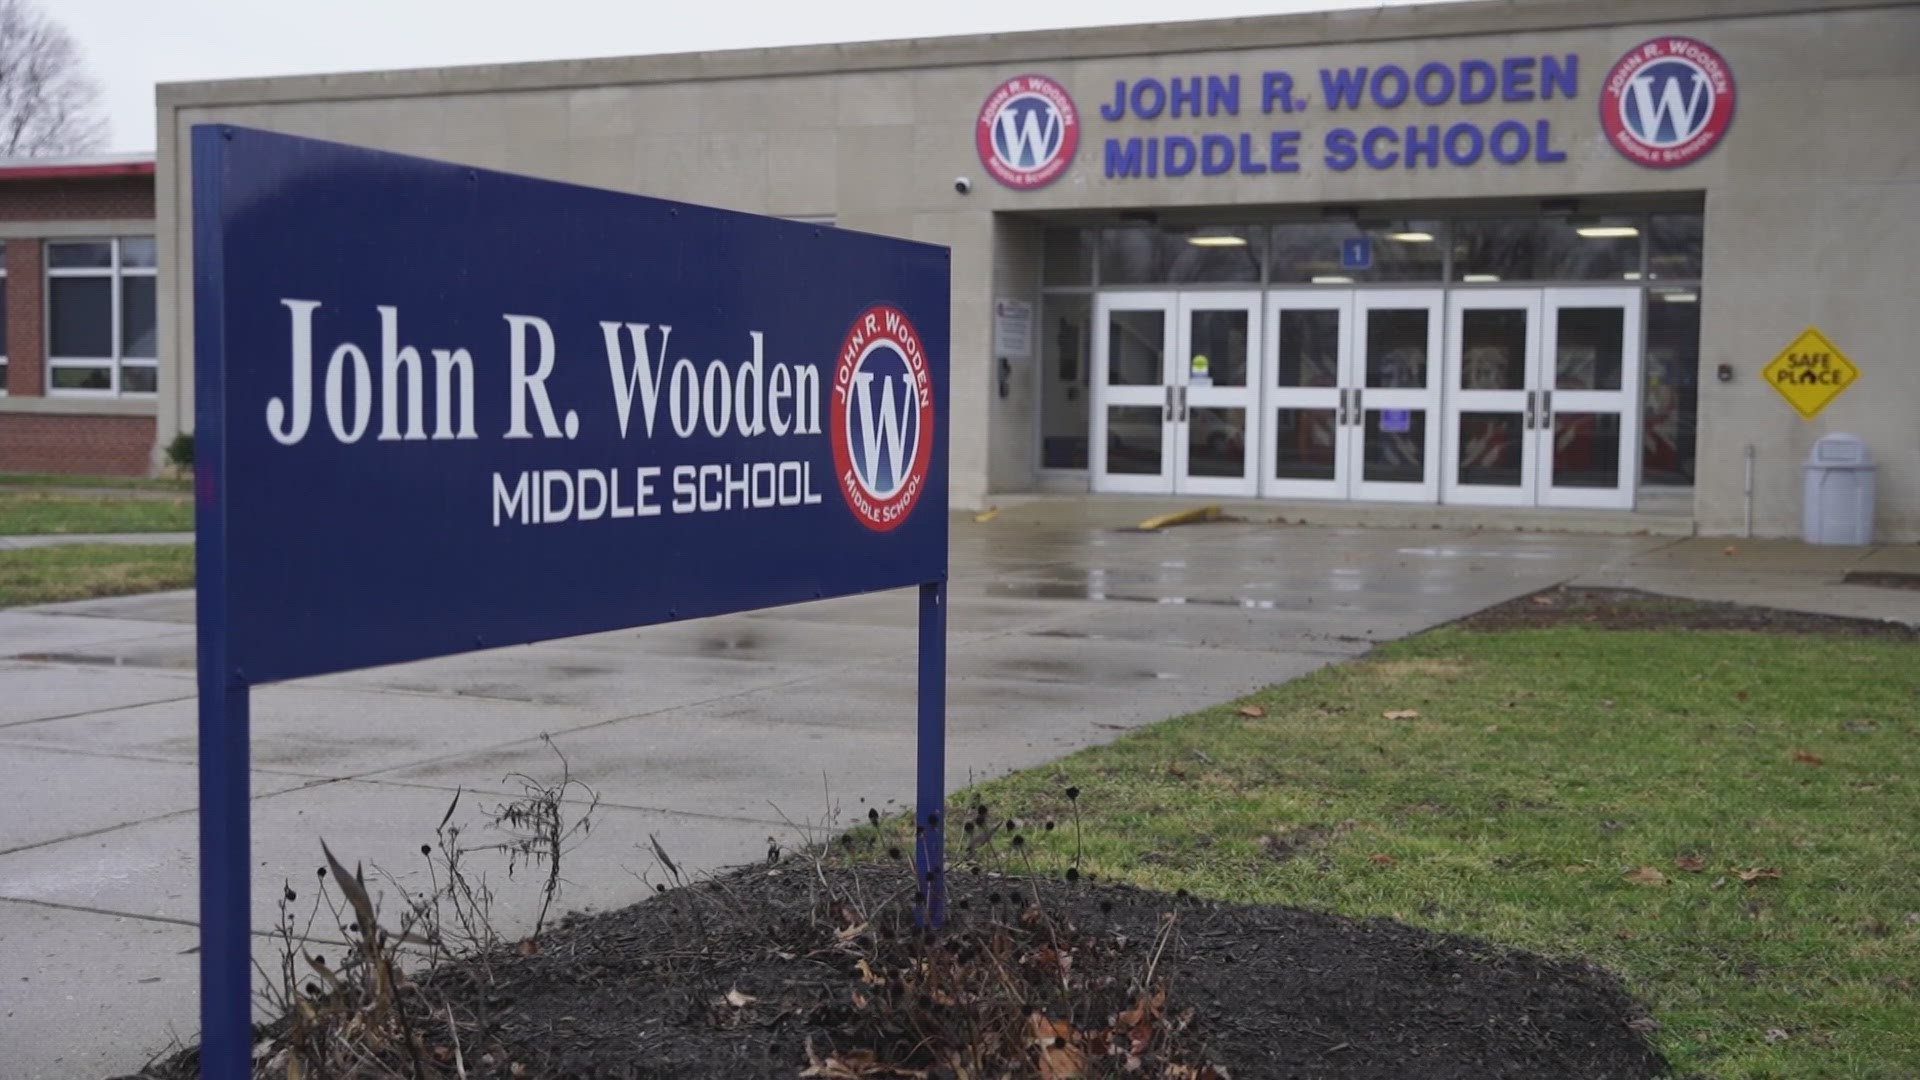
[(6, 337), (115, 274)]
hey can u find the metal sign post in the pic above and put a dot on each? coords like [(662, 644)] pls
[(442, 409)]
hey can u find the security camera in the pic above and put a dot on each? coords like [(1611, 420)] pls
[(962, 185)]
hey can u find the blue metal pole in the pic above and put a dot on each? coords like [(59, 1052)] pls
[(226, 862), (929, 856), (226, 961)]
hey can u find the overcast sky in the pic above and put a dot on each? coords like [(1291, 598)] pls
[(130, 45)]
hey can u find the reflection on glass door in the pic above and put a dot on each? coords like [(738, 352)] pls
[(1217, 394), (1493, 349), (1392, 412), (1133, 379), (1588, 417), (1309, 364)]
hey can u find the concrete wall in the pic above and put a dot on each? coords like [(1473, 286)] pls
[(1810, 200)]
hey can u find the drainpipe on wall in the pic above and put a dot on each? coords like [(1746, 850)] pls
[(1747, 531)]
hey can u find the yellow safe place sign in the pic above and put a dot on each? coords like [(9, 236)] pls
[(1810, 373)]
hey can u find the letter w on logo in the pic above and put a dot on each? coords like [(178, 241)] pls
[(889, 437), (1672, 111), (1026, 132)]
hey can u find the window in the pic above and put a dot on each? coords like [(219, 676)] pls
[(1601, 248), (102, 316), (1670, 405), (1309, 252)]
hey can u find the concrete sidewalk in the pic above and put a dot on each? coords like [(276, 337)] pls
[(707, 735), (12, 543)]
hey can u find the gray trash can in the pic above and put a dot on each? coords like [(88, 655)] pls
[(1840, 478)]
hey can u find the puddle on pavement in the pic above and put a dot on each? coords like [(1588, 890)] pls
[(1059, 590)]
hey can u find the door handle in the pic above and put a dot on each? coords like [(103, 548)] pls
[(1357, 415), (1340, 418), (1546, 409), (1167, 415), (1183, 404), (1530, 394)]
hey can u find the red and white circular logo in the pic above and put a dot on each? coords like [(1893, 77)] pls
[(1667, 102), (882, 418), (1027, 132)]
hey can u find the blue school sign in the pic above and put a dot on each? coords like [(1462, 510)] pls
[(442, 409)]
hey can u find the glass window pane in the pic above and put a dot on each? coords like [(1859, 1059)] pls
[(1397, 347), (3, 375), (1672, 399), (1304, 444), (1309, 348), (82, 378), (1492, 445), (137, 251), (80, 253), (1546, 249), (1493, 349), (1586, 450), (1217, 348), (139, 378), (1211, 254), (1068, 258), (1673, 247), (1066, 325), (3, 318), (1133, 439), (1217, 441), (1396, 446), (139, 329), (1136, 341), (81, 313), (1401, 250), (1589, 348), (1130, 256)]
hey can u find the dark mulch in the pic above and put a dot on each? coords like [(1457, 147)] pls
[(1275, 992), (1629, 609), (1883, 579)]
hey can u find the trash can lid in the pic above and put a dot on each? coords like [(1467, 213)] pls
[(1840, 449)]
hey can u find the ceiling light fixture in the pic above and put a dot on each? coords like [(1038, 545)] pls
[(1217, 241), (1607, 232), (1332, 279), (1411, 237), (1680, 297), (1479, 279)]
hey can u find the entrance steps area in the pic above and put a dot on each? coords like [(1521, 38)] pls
[(1660, 514)]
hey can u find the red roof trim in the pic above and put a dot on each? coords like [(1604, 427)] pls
[(76, 172)]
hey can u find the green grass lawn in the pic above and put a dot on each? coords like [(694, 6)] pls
[(25, 511), (177, 484), (77, 571), (1544, 770)]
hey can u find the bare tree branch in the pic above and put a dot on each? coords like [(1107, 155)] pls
[(48, 105)]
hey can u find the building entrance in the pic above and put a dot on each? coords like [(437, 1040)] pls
[(1513, 397)]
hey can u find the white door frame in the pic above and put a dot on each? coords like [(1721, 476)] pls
[(1623, 401), (1325, 398), (1190, 396), (1366, 402), (1519, 401), (1158, 395)]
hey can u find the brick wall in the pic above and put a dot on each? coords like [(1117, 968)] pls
[(77, 199), (82, 445), (26, 345)]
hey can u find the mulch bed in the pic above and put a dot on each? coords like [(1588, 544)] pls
[(743, 978), (1883, 579), (1629, 609)]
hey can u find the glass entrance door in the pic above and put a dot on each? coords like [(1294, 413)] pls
[(1540, 397), (1589, 422), (1133, 392), (1306, 453), (1217, 394), (1393, 421), (1493, 361)]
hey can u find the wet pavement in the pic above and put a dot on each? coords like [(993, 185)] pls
[(711, 736)]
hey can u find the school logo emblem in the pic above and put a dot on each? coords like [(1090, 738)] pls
[(1667, 102), (882, 418), (1027, 132)]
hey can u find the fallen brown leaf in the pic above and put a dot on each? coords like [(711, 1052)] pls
[(739, 1000), (1543, 600), (1380, 859), (1729, 550), (1758, 873), (1646, 875), (1401, 714), (1807, 757), (529, 947), (1692, 864), (1255, 711)]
